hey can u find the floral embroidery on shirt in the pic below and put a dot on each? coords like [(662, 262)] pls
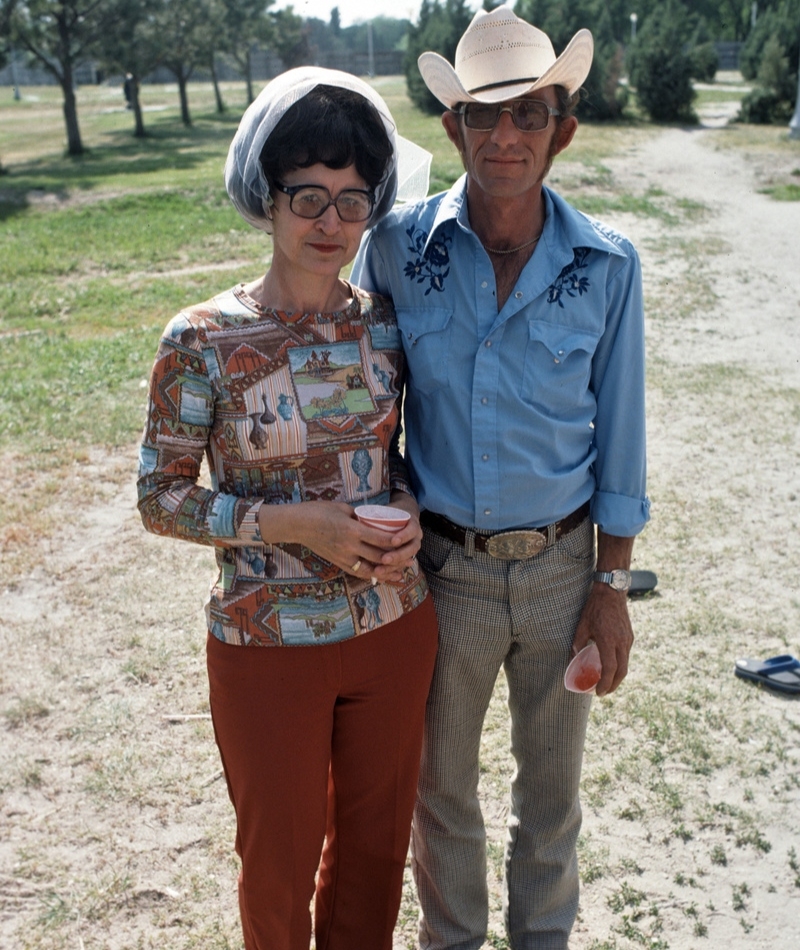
[(568, 282), (433, 266)]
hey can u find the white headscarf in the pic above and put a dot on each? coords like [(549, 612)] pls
[(406, 176)]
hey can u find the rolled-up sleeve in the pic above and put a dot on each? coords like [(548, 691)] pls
[(620, 505)]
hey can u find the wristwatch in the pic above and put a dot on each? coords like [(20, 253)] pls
[(616, 580)]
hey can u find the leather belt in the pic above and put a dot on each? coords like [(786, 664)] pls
[(514, 545)]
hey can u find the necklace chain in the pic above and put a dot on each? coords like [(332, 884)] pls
[(513, 250)]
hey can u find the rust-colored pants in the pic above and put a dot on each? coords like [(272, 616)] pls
[(322, 743)]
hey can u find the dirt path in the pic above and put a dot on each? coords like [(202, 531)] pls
[(115, 830)]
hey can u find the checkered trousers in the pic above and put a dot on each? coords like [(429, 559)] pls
[(520, 615)]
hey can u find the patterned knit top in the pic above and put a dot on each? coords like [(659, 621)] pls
[(285, 408)]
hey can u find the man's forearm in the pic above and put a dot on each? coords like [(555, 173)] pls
[(613, 553)]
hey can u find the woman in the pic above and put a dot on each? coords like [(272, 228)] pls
[(289, 387)]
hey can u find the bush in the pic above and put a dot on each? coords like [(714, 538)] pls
[(763, 107), (772, 101), (705, 62), (781, 22), (660, 67), (602, 96)]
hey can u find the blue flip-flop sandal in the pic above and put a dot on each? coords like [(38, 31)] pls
[(779, 672)]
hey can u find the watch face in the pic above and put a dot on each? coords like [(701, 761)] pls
[(620, 580)]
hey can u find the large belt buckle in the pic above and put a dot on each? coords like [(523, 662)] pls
[(516, 545)]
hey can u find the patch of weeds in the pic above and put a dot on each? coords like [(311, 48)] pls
[(670, 794), (740, 892), (55, 910), (718, 856), (32, 776), (787, 192), (627, 896), (596, 787), (641, 206), (495, 852), (693, 210), (745, 925), (651, 941), (753, 837), (497, 942), (631, 812), (25, 710), (631, 866), (700, 929), (683, 881), (603, 944), (682, 832), (592, 861), (794, 864)]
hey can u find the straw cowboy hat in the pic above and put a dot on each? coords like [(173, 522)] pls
[(501, 57)]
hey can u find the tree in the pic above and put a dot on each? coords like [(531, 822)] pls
[(184, 43), (780, 19), (772, 99), (439, 28), (60, 34), (247, 24), (132, 45), (6, 9), (289, 38), (603, 96), (660, 65)]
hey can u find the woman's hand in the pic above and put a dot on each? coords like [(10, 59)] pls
[(403, 544), (331, 530)]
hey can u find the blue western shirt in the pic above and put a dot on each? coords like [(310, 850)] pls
[(516, 418)]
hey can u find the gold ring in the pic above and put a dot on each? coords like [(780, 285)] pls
[(356, 566)]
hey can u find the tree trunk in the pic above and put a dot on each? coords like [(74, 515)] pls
[(139, 131), (215, 81), (185, 117), (74, 144), (248, 75)]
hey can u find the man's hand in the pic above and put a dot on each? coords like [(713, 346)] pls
[(605, 616), (605, 620)]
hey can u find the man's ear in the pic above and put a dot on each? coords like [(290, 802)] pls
[(453, 129), (564, 134)]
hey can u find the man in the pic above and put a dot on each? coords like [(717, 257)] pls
[(524, 412)]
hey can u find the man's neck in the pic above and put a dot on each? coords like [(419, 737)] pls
[(503, 223), (509, 229)]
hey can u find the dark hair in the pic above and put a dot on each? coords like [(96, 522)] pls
[(567, 104), (330, 126)]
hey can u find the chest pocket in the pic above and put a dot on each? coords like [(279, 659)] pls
[(425, 332), (558, 366)]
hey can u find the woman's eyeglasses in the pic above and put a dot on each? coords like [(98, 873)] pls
[(529, 115), (312, 201)]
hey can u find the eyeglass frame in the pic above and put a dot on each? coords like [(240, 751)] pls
[(461, 110), (292, 190)]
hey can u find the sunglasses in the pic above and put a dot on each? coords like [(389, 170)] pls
[(529, 115), (312, 201)]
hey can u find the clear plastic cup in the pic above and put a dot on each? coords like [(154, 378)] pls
[(585, 670)]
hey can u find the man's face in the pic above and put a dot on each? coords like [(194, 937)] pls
[(505, 162)]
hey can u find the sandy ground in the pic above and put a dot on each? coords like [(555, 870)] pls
[(115, 829)]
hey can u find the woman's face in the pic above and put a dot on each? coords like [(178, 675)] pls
[(323, 245)]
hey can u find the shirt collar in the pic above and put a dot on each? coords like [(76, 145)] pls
[(565, 228)]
